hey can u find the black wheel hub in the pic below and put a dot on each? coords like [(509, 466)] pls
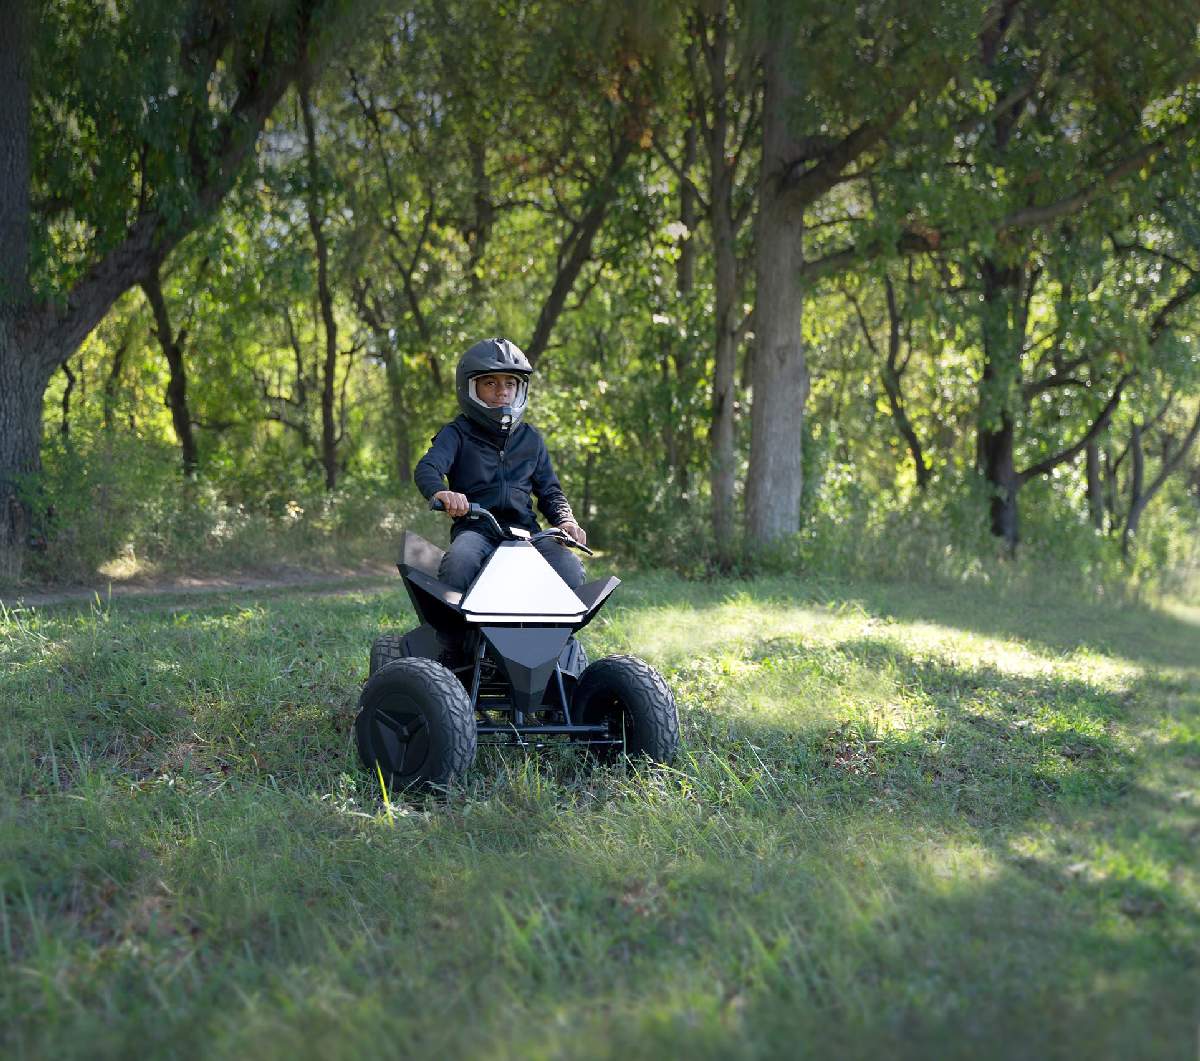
[(400, 737)]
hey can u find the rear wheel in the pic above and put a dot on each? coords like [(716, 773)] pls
[(416, 725), (631, 699), (387, 648)]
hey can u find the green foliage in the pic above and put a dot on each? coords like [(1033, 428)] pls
[(460, 149), (98, 503), (133, 106), (119, 506)]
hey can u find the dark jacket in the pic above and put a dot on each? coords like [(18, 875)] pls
[(498, 473)]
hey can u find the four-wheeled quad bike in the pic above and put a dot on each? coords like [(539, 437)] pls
[(520, 676)]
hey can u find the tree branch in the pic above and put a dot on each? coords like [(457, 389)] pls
[(911, 241), (1033, 216), (1162, 319), (1169, 467), (580, 243), (1163, 255), (680, 175), (1070, 452)]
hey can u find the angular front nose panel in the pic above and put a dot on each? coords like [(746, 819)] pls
[(528, 654)]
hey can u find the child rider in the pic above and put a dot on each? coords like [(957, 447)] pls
[(492, 458)]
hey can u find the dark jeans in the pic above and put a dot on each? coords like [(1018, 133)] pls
[(470, 549)]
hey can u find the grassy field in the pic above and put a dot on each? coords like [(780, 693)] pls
[(907, 819)]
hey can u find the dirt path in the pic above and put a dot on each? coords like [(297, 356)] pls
[(325, 579)]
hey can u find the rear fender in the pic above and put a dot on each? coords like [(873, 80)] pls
[(435, 602), (422, 642), (416, 554)]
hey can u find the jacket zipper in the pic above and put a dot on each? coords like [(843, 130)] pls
[(503, 476), (503, 448)]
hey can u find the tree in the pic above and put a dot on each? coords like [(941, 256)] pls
[(838, 82), (1159, 257), (76, 232), (1172, 450), (1046, 94), (517, 147), (726, 97), (894, 362), (1010, 179)]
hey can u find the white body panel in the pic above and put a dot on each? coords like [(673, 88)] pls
[(517, 585)]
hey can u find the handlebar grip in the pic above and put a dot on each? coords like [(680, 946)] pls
[(475, 511)]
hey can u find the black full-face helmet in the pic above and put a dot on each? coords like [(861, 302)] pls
[(490, 356)]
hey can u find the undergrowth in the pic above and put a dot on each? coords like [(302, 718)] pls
[(117, 508)]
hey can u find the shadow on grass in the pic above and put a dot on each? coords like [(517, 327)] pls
[(1120, 629), (775, 938), (993, 745), (223, 693)]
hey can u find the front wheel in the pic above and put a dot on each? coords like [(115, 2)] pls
[(631, 699), (416, 725)]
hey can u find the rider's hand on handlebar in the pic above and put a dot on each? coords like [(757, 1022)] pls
[(574, 531), (456, 504)]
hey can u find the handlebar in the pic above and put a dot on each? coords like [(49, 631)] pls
[(479, 512), (564, 537)]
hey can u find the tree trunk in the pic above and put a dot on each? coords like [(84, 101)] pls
[(21, 383), (589, 465), (685, 265), (176, 397), (669, 424), (726, 311), (892, 372), (895, 397), (316, 223), (393, 366), (723, 478), (395, 383), (780, 374), (1142, 493), (676, 429), (1003, 335), (485, 215), (723, 474), (15, 58), (113, 379), (999, 470), (891, 376), (1137, 483), (1095, 490), (22, 387), (64, 427)]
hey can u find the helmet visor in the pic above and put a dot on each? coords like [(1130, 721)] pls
[(517, 396)]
